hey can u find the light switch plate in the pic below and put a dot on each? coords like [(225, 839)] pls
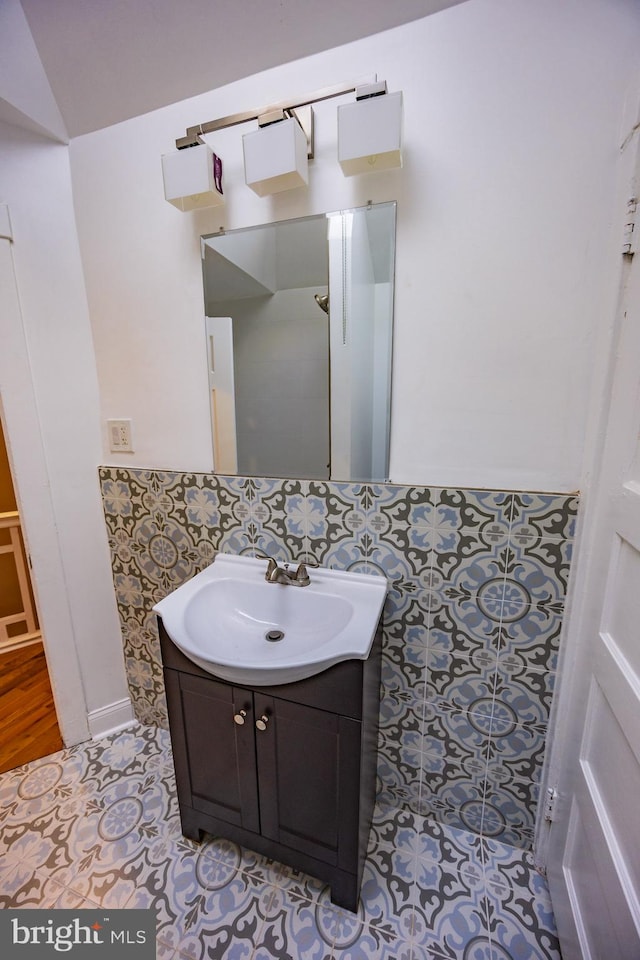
[(120, 436)]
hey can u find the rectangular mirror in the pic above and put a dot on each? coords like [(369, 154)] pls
[(299, 322)]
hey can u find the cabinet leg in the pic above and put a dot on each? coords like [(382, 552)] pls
[(190, 829), (345, 893)]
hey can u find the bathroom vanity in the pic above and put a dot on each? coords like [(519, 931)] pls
[(286, 770)]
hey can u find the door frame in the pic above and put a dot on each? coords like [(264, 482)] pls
[(19, 411)]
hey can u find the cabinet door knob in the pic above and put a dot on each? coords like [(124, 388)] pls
[(261, 724), (240, 717)]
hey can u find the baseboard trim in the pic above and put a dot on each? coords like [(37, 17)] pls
[(111, 719)]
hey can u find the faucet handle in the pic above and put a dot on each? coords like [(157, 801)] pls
[(302, 575), (272, 564)]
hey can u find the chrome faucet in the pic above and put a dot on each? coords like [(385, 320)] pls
[(290, 574)]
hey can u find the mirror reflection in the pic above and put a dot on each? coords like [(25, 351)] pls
[(299, 320)]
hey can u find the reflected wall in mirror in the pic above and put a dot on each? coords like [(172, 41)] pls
[(299, 319)]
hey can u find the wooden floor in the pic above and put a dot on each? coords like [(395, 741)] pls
[(28, 723)]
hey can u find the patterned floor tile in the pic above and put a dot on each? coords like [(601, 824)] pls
[(295, 926), (369, 945), (21, 885), (202, 905), (97, 826)]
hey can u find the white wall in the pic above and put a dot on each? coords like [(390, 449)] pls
[(49, 394), (505, 261)]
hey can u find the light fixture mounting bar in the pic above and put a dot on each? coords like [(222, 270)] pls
[(194, 134)]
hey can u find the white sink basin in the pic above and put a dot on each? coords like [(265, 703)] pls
[(228, 620)]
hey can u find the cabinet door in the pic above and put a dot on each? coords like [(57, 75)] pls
[(308, 770), (221, 752)]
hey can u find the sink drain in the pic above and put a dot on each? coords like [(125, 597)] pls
[(273, 635)]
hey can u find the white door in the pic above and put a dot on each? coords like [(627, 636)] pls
[(593, 842)]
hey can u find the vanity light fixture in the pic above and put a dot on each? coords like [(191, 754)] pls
[(193, 178), (276, 155), (370, 131)]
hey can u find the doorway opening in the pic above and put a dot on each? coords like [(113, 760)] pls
[(28, 721)]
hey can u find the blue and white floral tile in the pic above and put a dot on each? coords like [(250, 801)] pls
[(403, 667), (287, 517), (515, 751), (251, 515), (509, 812), (402, 506), (239, 516), (460, 682), (507, 867), (522, 695), (532, 634), (408, 798), (470, 531), (400, 710), (519, 913), (429, 892), (387, 508), (457, 737), (151, 710), (408, 568), (510, 938), (450, 910), (36, 788), (165, 553), (454, 795), (161, 489), (23, 886), (404, 651), (409, 624), (464, 626), (119, 824), (371, 945), (387, 892), (135, 751), (233, 857), (296, 926), (141, 642), (399, 758), (115, 487), (403, 599), (452, 511), (537, 516), (203, 907), (423, 838), (197, 503), (42, 805), (479, 571), (403, 521), (344, 507), (396, 828), (540, 570)]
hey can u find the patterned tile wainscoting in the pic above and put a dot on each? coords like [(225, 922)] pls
[(472, 624)]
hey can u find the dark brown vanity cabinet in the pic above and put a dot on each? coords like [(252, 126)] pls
[(288, 771)]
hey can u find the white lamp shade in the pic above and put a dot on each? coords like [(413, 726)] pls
[(275, 158), (191, 179), (370, 134)]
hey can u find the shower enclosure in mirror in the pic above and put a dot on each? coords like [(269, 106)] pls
[(299, 338)]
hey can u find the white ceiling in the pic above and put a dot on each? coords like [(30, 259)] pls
[(109, 60)]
